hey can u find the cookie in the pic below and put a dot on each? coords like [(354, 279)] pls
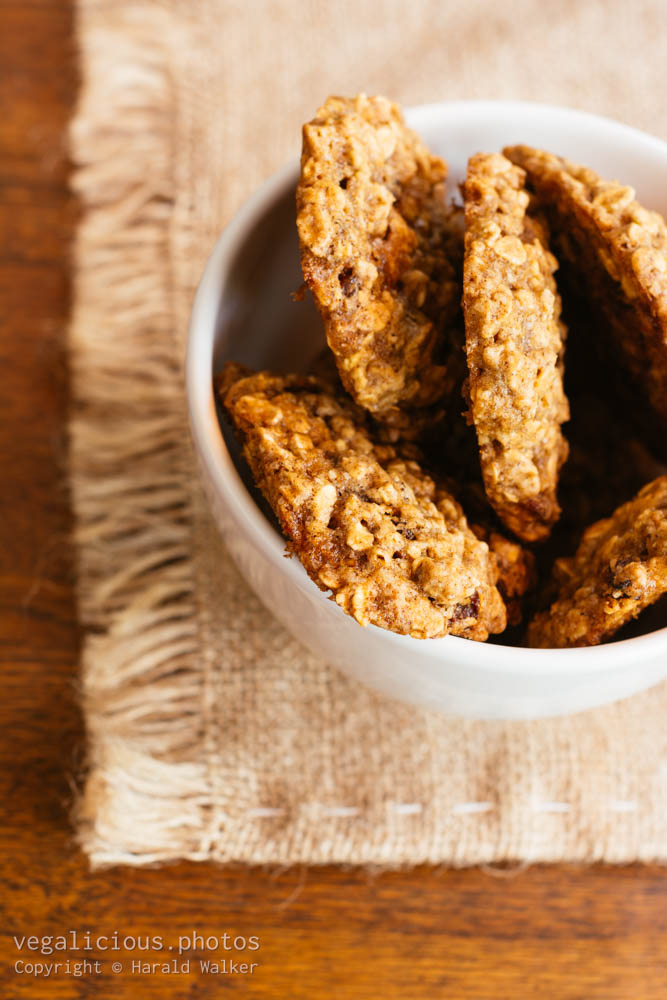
[(378, 252), (514, 347), (517, 573), (619, 569), (365, 522), (616, 254), (516, 563)]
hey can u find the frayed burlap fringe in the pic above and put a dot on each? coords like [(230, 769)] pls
[(211, 733), (127, 457)]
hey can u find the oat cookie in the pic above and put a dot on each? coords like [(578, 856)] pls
[(377, 250), (362, 520), (619, 569), (616, 252), (514, 344), (517, 570), (517, 574)]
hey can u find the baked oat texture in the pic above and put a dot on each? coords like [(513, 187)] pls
[(617, 252), (619, 569), (514, 345), (517, 572), (377, 242), (517, 575), (362, 520)]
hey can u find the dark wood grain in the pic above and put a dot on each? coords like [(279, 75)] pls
[(561, 932)]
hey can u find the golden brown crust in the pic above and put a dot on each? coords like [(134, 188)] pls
[(362, 520), (517, 575), (376, 244), (617, 252), (517, 569), (514, 344), (619, 569)]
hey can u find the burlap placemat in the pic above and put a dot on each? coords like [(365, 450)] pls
[(211, 733)]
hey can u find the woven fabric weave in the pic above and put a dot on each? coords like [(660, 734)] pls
[(212, 734)]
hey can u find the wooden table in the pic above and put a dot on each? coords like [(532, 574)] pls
[(560, 932)]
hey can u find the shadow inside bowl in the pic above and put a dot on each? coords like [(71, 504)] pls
[(261, 323)]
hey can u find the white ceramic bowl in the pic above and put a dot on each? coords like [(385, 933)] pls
[(243, 311)]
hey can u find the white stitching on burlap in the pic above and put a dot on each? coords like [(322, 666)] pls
[(460, 809)]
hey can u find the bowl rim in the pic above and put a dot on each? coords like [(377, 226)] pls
[(210, 444)]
